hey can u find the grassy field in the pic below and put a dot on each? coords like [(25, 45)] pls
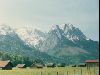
[(52, 71)]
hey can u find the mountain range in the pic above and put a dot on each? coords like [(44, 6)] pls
[(62, 43)]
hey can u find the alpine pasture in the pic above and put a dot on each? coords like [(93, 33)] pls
[(52, 71)]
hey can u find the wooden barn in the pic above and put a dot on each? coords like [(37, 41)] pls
[(6, 65), (21, 66), (81, 65), (37, 66), (92, 63), (61, 65), (50, 65)]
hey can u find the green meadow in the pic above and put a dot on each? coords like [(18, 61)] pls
[(52, 71)]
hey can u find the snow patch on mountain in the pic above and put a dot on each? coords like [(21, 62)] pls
[(37, 38), (30, 36), (72, 33)]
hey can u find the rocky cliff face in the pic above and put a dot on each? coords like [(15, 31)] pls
[(63, 42)]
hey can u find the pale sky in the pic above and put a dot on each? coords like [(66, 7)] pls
[(42, 14)]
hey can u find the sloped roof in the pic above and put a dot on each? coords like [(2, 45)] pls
[(39, 65), (4, 63), (20, 65), (92, 61)]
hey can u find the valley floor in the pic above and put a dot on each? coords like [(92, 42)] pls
[(52, 71)]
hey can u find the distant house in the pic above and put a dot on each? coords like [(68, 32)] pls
[(6, 65), (21, 66), (92, 63), (81, 65), (50, 65), (61, 65), (38, 65)]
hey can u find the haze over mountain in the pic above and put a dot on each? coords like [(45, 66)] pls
[(63, 43)]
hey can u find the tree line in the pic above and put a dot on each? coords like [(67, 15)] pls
[(19, 59)]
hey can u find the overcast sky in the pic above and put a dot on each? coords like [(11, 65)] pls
[(42, 14)]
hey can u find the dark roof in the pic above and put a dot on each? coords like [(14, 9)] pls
[(20, 65), (4, 63), (92, 61), (37, 65)]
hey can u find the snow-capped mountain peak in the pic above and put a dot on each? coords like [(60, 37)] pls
[(34, 37), (63, 41), (6, 30), (64, 26), (69, 31), (72, 33)]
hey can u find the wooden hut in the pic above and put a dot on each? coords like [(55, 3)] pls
[(92, 63), (38, 65), (61, 65), (81, 65), (21, 66), (6, 65), (50, 65)]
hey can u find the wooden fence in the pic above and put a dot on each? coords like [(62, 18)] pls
[(75, 72)]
